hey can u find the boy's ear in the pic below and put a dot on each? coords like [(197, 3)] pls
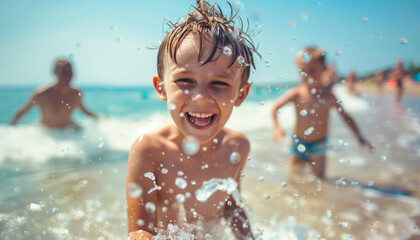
[(159, 86), (242, 94)]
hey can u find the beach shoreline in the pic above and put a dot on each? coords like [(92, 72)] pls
[(410, 89)]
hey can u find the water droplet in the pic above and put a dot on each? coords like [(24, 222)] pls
[(118, 39), (303, 112), (403, 41), (150, 207), (235, 157), (301, 148), (190, 145), (303, 74), (284, 184), (186, 91), (80, 94), (164, 209), (150, 176), (365, 19), (241, 60), (383, 158), (34, 207), (181, 114), (305, 16), (342, 224), (71, 56), (310, 80), (113, 27), (338, 52), (100, 145), (164, 171), (306, 57), (387, 146), (134, 190), (260, 179), (204, 149), (309, 131), (266, 196), (172, 106), (292, 24), (313, 91), (339, 102), (312, 111), (180, 198), (227, 50), (181, 183), (262, 103), (215, 140), (140, 222)]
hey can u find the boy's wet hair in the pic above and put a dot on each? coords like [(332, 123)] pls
[(209, 24), (60, 63), (310, 54)]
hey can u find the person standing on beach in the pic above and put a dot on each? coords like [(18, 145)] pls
[(351, 81), (398, 74), (57, 101), (379, 80), (203, 69), (313, 102)]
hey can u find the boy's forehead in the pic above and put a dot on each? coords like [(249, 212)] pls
[(189, 52)]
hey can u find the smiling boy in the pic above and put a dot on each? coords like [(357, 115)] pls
[(203, 69)]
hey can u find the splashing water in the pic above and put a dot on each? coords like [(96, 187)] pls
[(301, 148), (306, 57), (303, 112), (309, 131), (227, 50), (229, 185), (190, 145), (134, 190), (235, 157), (241, 60), (181, 183), (152, 177), (172, 106)]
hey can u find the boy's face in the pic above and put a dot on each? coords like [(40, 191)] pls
[(311, 70), (200, 97), (64, 73)]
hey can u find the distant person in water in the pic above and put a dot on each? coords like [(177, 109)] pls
[(398, 74), (379, 79), (313, 101), (351, 81), (203, 66), (57, 101)]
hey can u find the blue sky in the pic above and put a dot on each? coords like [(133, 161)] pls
[(109, 40)]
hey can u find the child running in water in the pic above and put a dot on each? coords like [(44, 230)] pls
[(313, 101), (57, 101), (203, 68)]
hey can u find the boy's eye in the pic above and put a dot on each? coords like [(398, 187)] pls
[(184, 81), (221, 83)]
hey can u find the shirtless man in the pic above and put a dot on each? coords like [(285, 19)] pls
[(57, 101)]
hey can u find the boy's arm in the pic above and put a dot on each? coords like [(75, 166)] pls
[(285, 98), (85, 110), (24, 109), (350, 122), (233, 213), (141, 221)]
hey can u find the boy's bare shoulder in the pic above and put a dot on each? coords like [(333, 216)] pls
[(233, 138), (151, 143)]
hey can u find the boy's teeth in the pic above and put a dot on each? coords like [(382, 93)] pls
[(201, 115)]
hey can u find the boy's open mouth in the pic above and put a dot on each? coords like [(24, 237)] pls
[(200, 119)]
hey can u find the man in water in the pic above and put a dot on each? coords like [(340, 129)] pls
[(57, 101), (203, 68)]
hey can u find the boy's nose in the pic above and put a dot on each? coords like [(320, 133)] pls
[(201, 96)]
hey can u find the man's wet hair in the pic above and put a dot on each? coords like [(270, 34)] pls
[(209, 24), (59, 63)]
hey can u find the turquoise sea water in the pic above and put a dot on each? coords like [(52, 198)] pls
[(71, 185)]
